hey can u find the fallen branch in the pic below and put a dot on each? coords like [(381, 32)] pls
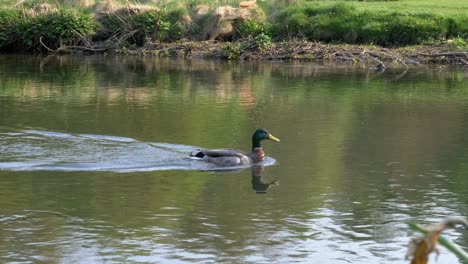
[(85, 41), (44, 45), (464, 61), (87, 48)]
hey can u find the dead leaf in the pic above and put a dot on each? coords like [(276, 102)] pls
[(419, 248)]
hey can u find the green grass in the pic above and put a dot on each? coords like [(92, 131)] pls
[(383, 23), (30, 3), (442, 7)]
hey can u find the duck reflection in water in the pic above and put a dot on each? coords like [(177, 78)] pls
[(261, 183)]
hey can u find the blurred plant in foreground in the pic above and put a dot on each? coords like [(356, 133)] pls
[(420, 247)]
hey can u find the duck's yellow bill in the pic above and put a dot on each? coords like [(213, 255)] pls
[(270, 136)]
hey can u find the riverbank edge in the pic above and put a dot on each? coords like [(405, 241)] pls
[(233, 33), (301, 50)]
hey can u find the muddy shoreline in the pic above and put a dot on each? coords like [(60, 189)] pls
[(303, 51)]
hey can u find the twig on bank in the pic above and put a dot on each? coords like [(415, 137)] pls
[(123, 38), (457, 57), (463, 61), (85, 41), (445, 54), (44, 45), (84, 48)]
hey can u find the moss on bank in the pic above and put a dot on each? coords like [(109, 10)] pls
[(245, 33)]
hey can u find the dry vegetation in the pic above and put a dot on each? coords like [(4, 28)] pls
[(305, 51)]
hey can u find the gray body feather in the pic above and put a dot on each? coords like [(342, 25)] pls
[(224, 157)]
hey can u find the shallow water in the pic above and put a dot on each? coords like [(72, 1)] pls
[(94, 167)]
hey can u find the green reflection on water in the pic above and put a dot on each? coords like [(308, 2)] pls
[(361, 152)]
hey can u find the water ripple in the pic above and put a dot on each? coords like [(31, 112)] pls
[(33, 150)]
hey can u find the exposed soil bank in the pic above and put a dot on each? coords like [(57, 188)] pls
[(305, 51)]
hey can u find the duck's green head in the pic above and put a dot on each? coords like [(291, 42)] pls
[(259, 135)]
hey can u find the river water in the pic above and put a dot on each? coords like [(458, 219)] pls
[(94, 166)]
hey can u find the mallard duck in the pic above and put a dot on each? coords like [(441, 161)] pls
[(233, 157)]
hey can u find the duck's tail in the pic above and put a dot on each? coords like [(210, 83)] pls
[(197, 154)]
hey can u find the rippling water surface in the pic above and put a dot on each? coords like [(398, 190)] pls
[(94, 167), (31, 150)]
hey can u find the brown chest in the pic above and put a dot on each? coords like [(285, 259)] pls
[(259, 154)]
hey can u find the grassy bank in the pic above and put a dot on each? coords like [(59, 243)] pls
[(92, 25), (366, 24)]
